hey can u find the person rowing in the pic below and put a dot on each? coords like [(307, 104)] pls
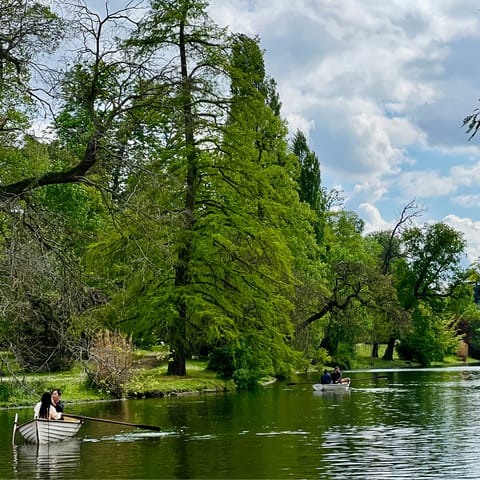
[(337, 375), (57, 401)]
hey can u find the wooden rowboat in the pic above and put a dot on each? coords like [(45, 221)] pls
[(333, 387), (42, 431)]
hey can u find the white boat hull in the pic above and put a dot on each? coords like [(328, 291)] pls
[(43, 431), (332, 387)]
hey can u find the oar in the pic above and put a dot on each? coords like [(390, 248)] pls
[(372, 378), (94, 419), (302, 383), (355, 379)]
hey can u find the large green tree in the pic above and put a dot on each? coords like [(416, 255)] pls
[(310, 187), (352, 284), (430, 275), (389, 252), (256, 147), (49, 209), (217, 216), (29, 30)]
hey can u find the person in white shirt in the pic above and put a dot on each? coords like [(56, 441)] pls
[(45, 408)]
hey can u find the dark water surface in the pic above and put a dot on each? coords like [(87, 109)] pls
[(416, 424)]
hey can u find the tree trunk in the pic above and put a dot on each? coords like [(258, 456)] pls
[(388, 355), (375, 350), (328, 343), (179, 344), (178, 363)]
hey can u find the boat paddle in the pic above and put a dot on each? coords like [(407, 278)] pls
[(94, 419), (354, 379)]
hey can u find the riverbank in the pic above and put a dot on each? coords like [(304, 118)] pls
[(149, 380)]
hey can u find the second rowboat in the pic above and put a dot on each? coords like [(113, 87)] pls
[(333, 387)]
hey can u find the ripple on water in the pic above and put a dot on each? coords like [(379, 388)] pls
[(382, 452), (129, 437), (286, 432)]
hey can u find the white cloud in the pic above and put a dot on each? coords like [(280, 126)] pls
[(467, 200), (359, 76), (471, 231), (470, 152), (466, 175), (373, 218), (298, 122), (368, 192), (425, 184)]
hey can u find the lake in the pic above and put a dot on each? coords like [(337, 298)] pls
[(416, 424)]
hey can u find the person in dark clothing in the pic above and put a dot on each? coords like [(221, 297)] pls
[(56, 400), (325, 378), (337, 375)]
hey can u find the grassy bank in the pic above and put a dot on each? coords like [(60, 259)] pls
[(364, 360), (154, 382), (150, 380)]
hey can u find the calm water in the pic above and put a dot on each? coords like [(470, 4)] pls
[(416, 424)]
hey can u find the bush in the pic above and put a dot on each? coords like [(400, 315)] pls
[(431, 339), (321, 357), (5, 391), (222, 361), (39, 337), (240, 362), (110, 362), (344, 355)]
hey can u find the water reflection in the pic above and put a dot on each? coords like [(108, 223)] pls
[(385, 452), (416, 423), (46, 461), (331, 393)]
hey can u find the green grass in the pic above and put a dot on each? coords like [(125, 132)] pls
[(363, 359), (156, 380), (150, 379), (27, 389)]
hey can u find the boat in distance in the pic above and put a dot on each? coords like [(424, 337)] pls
[(43, 431), (333, 387)]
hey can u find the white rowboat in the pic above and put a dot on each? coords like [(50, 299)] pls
[(333, 387), (42, 431)]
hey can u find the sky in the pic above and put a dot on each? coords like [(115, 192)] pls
[(380, 88)]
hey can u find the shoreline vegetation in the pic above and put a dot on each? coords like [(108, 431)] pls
[(149, 380)]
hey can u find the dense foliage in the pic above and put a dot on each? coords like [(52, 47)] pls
[(166, 200)]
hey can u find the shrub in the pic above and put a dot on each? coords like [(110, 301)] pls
[(110, 361), (343, 356), (240, 362)]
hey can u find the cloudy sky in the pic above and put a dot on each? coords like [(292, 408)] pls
[(380, 88)]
